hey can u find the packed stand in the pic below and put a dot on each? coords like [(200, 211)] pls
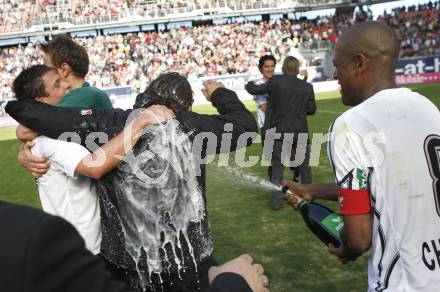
[(418, 29), (135, 59), (12, 62), (15, 15), (18, 15)]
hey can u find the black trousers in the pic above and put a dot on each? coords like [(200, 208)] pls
[(263, 138), (303, 170)]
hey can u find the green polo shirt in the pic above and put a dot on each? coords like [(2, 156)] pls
[(86, 97)]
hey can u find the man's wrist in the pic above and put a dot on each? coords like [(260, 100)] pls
[(350, 255), (309, 193), (139, 125), (217, 95)]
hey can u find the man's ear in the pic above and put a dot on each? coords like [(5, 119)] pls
[(360, 61), (39, 99), (64, 70)]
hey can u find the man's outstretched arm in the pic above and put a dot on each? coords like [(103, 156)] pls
[(258, 89), (231, 111), (310, 192), (108, 156), (53, 121)]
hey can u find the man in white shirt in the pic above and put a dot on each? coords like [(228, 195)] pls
[(65, 193), (385, 158), (266, 65), (68, 189)]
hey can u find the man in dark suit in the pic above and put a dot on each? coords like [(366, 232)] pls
[(43, 253), (290, 101)]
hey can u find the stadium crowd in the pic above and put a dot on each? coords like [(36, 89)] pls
[(18, 15), (418, 29), (136, 58)]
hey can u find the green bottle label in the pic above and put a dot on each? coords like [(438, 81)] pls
[(334, 223)]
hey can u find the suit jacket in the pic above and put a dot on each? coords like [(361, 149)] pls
[(43, 253), (290, 101), (229, 282)]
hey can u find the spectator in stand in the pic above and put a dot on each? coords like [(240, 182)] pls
[(417, 29)]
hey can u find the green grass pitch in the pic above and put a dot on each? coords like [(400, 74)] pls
[(241, 218)]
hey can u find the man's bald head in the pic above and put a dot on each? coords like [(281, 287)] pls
[(375, 40), (365, 59)]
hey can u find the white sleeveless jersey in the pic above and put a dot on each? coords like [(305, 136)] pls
[(390, 145)]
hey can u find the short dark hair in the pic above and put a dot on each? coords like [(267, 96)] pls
[(62, 49), (169, 89), (264, 59), (29, 83)]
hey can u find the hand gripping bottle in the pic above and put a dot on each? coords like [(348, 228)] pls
[(322, 221)]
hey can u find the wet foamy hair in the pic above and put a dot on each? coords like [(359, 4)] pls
[(169, 89)]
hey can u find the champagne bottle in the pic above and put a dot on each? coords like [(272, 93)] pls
[(322, 221)]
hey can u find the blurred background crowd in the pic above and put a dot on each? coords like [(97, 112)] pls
[(21, 14), (135, 58)]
